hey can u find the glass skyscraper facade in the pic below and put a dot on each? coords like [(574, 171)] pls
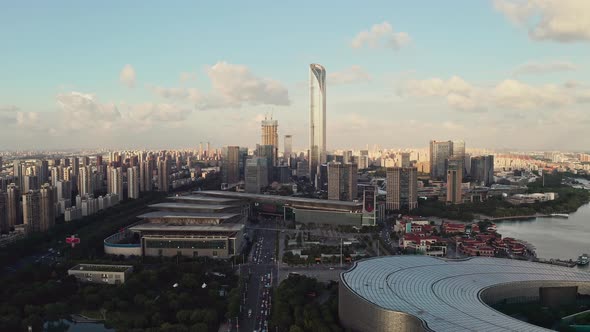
[(317, 119)]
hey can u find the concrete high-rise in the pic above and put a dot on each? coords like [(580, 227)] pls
[(164, 174), (133, 182), (402, 188), (32, 210), (482, 170), (43, 175), (115, 181), (317, 119), (364, 159), (4, 227), (13, 214), (347, 157), (454, 180), (47, 201), (288, 146), (405, 159), (458, 148), (230, 168), (39, 209), (75, 165), (85, 183), (440, 152), (342, 181), (256, 174), (31, 182), (270, 136), (64, 190), (17, 172), (267, 152), (55, 175), (146, 170)]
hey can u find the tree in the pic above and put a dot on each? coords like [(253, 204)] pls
[(295, 328)]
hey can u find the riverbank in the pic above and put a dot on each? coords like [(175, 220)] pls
[(553, 237), (530, 216)]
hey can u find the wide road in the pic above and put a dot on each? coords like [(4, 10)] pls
[(261, 274)]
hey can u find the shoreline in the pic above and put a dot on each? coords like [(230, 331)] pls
[(531, 216)]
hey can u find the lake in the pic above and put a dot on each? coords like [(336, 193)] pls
[(563, 238)]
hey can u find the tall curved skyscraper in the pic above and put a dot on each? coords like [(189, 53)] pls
[(317, 120)]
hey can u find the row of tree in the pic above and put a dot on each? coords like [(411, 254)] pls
[(301, 305), (169, 296)]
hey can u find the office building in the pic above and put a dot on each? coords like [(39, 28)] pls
[(164, 174), (75, 166), (48, 207), (302, 169), (440, 152), (115, 181), (4, 227), (101, 274), (342, 181), (133, 182), (256, 175), (402, 188), (85, 179), (347, 157), (458, 148), (317, 119), (43, 176), (288, 146), (454, 180), (482, 170), (31, 182), (270, 136), (64, 190), (267, 152), (243, 156), (405, 159), (13, 214), (363, 159), (55, 175), (230, 168), (39, 209), (146, 170), (18, 174), (32, 210)]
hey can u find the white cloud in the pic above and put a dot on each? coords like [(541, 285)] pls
[(11, 115), (9, 108), (235, 85), (28, 120), (381, 35), (508, 94), (557, 20), (188, 94), (187, 76), (150, 113), (354, 74), (537, 67), (83, 111), (232, 86), (459, 94), (127, 76), (512, 94)]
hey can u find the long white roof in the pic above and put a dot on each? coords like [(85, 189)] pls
[(445, 293)]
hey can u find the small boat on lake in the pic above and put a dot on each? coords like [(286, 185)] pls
[(560, 215), (583, 260)]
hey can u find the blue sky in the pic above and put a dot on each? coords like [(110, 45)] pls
[(517, 72)]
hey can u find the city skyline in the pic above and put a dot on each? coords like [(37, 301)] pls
[(515, 79)]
